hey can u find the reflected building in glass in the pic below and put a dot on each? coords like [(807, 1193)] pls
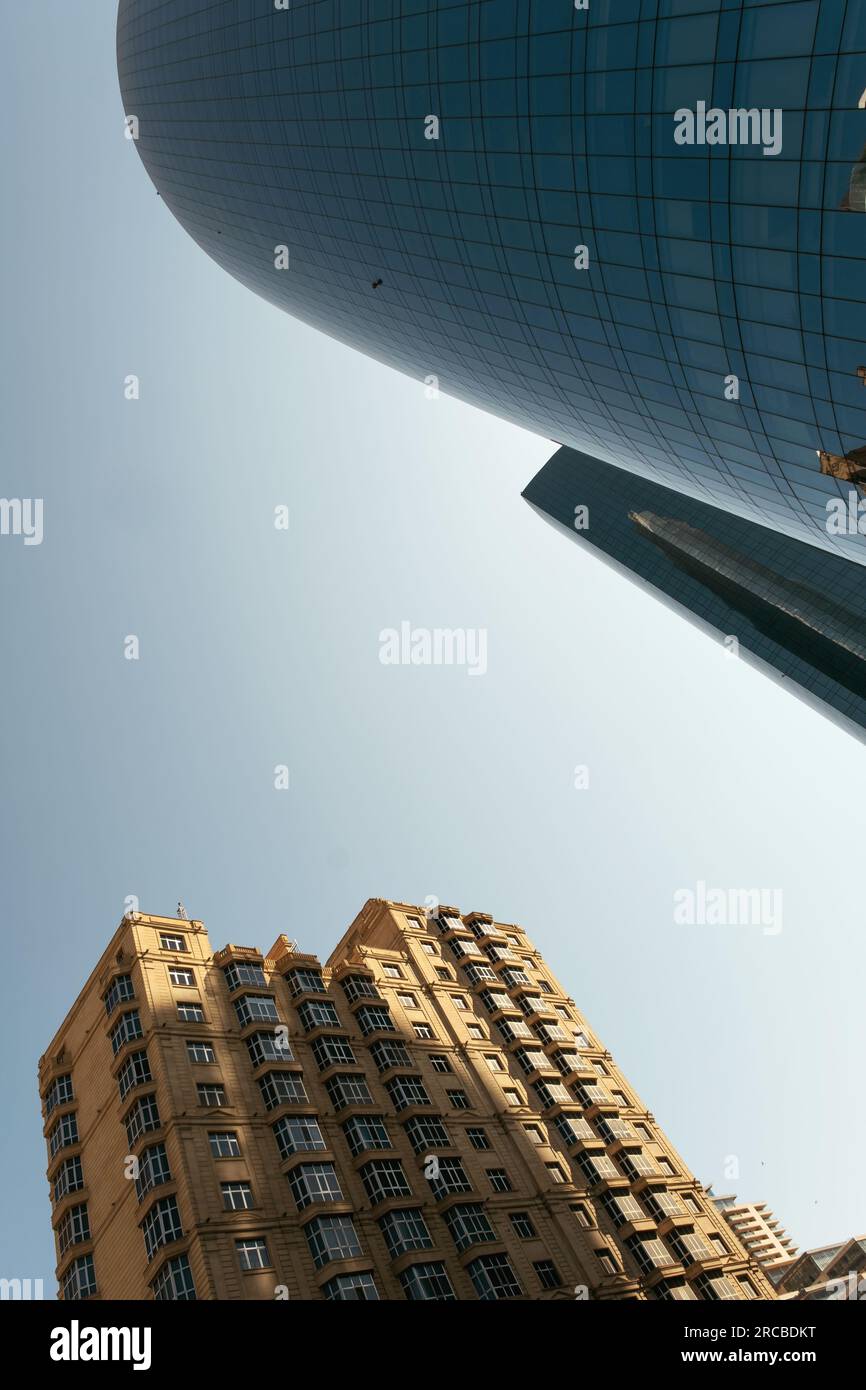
[(635, 228)]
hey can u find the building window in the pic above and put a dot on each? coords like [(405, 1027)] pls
[(478, 1138), (298, 1134), (256, 1008), (405, 1230), (224, 1144), (427, 1132), (253, 1253), (315, 1182), (407, 1090), (476, 973), (531, 1059), (359, 1288), (153, 1170), (393, 972), (523, 1227), (715, 1286), (374, 1019), (79, 1281), (161, 1226), (535, 1135), (282, 1088), (621, 1208), (458, 1099), (366, 1132), (427, 1283), (690, 1247), (127, 1029), (494, 1063), (244, 972), (439, 1062), (200, 1051), (121, 989), (59, 1093), (73, 1229), (211, 1094), (551, 1093), (237, 1196), (142, 1118), (170, 942), (70, 1177), (190, 1013), (556, 1173), (305, 982), (513, 1097), (134, 1072), (387, 1054), (181, 978), (475, 1032), (468, 1226), (573, 1127), (330, 1052), (269, 1047), (459, 1002), (332, 1238), (408, 1000), (581, 1215), (316, 1014), (513, 1028), (348, 1089), (428, 948), (452, 1178), (63, 1134), (423, 1031), (359, 987), (493, 1278), (548, 1274), (607, 1262), (649, 1254), (513, 977), (499, 1179), (174, 1283), (384, 1178), (443, 972)]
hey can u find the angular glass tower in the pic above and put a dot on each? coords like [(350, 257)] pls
[(636, 227)]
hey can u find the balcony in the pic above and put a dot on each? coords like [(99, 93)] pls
[(231, 953)]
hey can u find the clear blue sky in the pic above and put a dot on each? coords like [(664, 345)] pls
[(260, 647)]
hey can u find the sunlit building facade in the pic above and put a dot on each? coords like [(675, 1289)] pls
[(427, 1116)]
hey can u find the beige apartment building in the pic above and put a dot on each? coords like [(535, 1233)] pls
[(427, 1116), (759, 1230)]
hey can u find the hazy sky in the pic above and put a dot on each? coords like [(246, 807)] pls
[(257, 647)]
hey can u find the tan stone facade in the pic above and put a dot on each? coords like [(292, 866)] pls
[(427, 1116)]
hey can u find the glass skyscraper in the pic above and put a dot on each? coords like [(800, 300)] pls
[(633, 226)]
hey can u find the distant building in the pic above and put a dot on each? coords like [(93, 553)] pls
[(827, 1272), (830, 1272), (758, 1230)]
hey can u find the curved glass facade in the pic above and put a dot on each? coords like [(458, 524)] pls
[(636, 228)]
